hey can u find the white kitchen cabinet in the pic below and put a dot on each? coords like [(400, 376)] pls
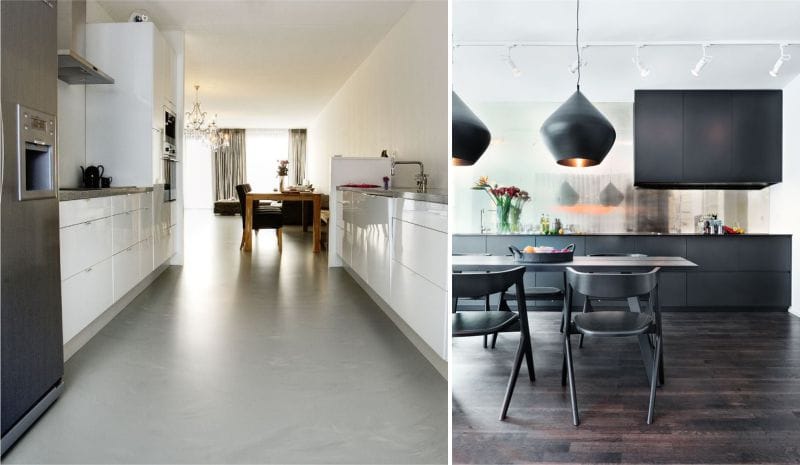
[(125, 203), (125, 265), (358, 257), (420, 249), (78, 211), (125, 230), (85, 296), (340, 242), (422, 305), (122, 115), (348, 228), (376, 236), (164, 245), (145, 257), (84, 245), (146, 223)]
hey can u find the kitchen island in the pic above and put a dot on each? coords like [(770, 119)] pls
[(734, 273), (394, 245)]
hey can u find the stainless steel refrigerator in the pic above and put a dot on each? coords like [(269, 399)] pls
[(30, 285)]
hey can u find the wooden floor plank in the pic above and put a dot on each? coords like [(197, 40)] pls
[(732, 396)]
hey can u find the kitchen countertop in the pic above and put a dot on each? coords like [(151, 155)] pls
[(624, 234), (431, 195), (83, 193)]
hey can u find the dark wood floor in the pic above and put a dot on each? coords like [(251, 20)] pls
[(732, 396)]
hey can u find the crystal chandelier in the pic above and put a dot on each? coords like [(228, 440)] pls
[(210, 135)]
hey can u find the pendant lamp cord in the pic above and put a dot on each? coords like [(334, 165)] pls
[(577, 39)]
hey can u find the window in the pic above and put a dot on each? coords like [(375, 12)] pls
[(264, 148)]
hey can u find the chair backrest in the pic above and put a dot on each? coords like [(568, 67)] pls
[(612, 285), (241, 192), (480, 284)]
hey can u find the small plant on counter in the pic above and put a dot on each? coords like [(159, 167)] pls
[(509, 201), (386, 182)]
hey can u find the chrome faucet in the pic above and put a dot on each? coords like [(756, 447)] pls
[(421, 178)]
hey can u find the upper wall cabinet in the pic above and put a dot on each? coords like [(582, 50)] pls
[(707, 139), (122, 118)]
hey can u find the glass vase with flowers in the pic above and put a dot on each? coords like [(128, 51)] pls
[(283, 171), (508, 201)]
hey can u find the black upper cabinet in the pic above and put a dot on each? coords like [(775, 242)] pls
[(707, 139), (757, 123), (658, 136)]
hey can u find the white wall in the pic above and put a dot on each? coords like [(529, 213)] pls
[(72, 116), (397, 99), (784, 216)]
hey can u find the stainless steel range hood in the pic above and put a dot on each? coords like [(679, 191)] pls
[(73, 68)]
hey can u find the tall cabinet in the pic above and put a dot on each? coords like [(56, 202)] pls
[(125, 120)]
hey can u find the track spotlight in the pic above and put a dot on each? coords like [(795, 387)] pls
[(784, 57), (514, 69), (704, 60), (644, 71)]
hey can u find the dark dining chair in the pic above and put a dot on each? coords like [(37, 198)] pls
[(477, 323), (264, 216), (617, 323), (587, 304)]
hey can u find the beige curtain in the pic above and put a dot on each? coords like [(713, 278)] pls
[(297, 155), (229, 165)]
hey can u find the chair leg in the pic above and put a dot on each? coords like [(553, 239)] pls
[(654, 381), (505, 308), (571, 375), (494, 340), (586, 308), (529, 358), (564, 369), (661, 364), (279, 234), (512, 380)]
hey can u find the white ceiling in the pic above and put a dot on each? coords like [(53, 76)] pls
[(268, 64), (479, 73)]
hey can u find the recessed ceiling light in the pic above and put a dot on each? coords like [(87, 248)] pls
[(702, 62), (784, 57)]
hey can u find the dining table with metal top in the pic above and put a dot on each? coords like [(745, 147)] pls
[(486, 262), (314, 197)]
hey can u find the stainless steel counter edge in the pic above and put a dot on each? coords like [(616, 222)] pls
[(432, 195), (65, 195)]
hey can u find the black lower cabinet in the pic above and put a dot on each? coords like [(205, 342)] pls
[(733, 273)]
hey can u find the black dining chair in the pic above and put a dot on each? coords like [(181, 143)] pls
[(264, 216), (477, 323), (587, 304), (617, 323)]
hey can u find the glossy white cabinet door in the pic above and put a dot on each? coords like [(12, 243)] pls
[(173, 213), (340, 241), (125, 230), (358, 258), (85, 296), (145, 257), (171, 241), (349, 228), (125, 203), (73, 212), (126, 270), (84, 245), (422, 305), (146, 223), (376, 232), (422, 250)]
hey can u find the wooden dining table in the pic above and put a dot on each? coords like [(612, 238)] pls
[(484, 262), (314, 197)]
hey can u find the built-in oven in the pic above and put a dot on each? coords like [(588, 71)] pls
[(170, 179), (170, 130)]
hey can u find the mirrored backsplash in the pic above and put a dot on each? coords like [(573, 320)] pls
[(599, 199)]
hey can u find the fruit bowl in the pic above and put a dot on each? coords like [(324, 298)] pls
[(542, 254)]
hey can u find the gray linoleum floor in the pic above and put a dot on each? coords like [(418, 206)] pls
[(235, 358)]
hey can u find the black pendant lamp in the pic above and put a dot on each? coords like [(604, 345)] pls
[(577, 134), (470, 135)]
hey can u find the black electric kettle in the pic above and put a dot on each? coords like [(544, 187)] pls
[(92, 175)]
